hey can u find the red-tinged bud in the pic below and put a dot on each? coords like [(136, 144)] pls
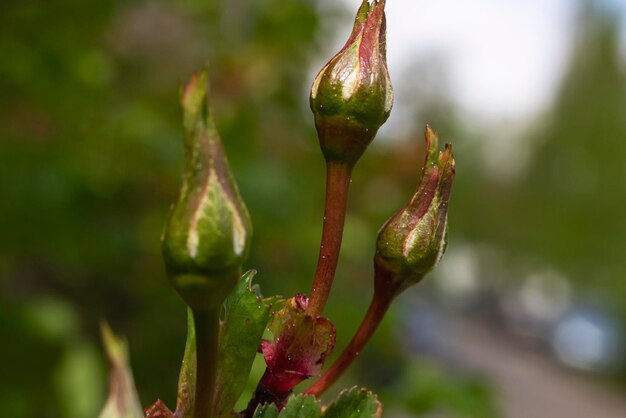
[(413, 240), (208, 232), (352, 96)]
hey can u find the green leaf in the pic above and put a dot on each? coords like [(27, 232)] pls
[(123, 401), (187, 376), (266, 411), (245, 318), (301, 406), (354, 403)]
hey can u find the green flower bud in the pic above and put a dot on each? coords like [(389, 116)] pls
[(413, 240), (352, 96), (207, 235)]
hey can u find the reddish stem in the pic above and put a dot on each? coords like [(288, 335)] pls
[(375, 313), (337, 187)]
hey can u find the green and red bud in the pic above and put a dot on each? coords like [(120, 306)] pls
[(352, 95), (207, 236), (413, 240)]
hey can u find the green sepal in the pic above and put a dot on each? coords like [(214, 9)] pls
[(122, 401)]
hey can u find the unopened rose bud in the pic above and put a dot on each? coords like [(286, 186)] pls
[(352, 96), (207, 235), (413, 240)]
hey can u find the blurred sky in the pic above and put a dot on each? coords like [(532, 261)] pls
[(501, 59)]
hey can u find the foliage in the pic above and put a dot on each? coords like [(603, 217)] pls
[(89, 156), (207, 235)]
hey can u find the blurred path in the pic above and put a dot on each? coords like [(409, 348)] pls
[(529, 385)]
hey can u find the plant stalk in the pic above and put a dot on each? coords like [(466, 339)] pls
[(338, 176), (206, 323), (375, 313)]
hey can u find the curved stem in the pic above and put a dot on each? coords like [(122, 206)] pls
[(337, 187), (206, 324), (375, 313)]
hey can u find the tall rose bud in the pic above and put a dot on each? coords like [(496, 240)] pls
[(413, 240), (207, 235), (352, 96)]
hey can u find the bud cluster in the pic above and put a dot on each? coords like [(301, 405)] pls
[(207, 235)]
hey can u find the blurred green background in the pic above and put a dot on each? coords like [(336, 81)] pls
[(91, 155)]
